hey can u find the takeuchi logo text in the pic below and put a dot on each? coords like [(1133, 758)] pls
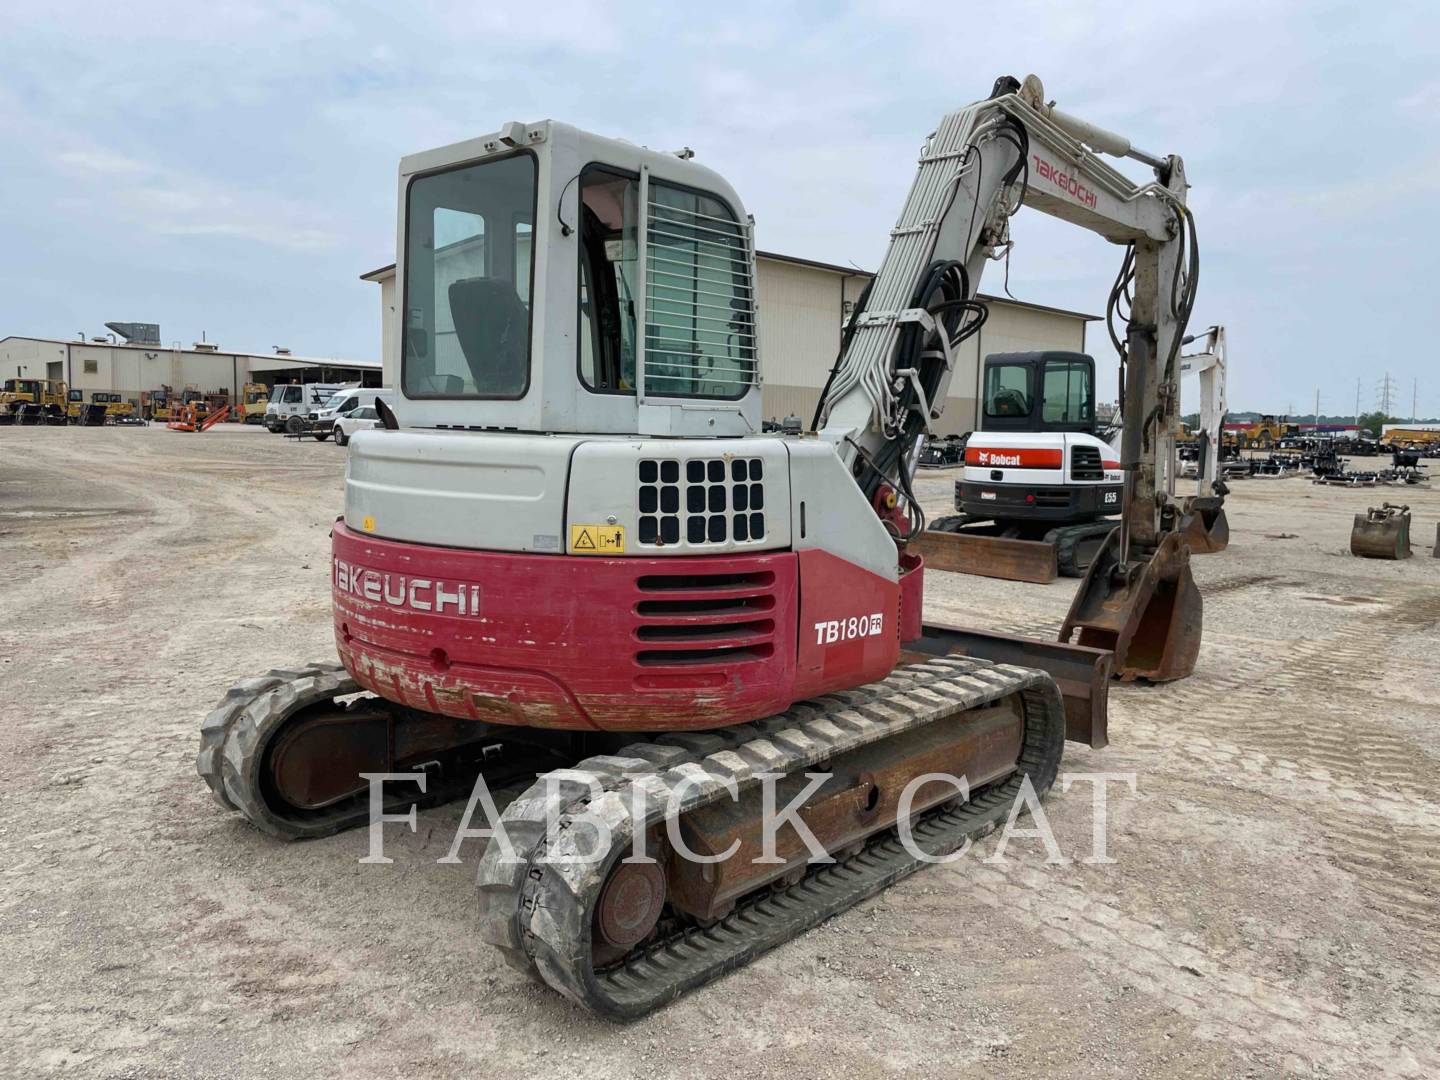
[(1064, 181), (406, 592)]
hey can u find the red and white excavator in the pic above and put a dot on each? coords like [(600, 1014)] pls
[(571, 563)]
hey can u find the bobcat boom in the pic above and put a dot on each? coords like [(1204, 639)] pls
[(571, 564)]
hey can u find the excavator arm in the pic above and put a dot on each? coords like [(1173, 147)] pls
[(1201, 516), (900, 349), (1208, 365)]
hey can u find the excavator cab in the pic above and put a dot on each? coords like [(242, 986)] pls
[(1040, 391)]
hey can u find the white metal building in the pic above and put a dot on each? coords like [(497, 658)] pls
[(803, 305), (130, 369)]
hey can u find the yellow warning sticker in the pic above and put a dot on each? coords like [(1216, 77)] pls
[(367, 523), (597, 539)]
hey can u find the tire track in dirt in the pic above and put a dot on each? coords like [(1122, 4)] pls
[(1253, 1010)]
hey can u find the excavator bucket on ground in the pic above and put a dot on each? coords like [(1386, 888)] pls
[(1382, 533), (1147, 611), (1203, 524)]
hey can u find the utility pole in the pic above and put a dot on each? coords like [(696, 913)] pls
[(1357, 402), (1415, 401), (1387, 393), (1317, 406)]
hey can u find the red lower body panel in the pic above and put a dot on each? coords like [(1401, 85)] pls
[(641, 644)]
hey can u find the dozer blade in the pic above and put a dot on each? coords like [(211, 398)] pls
[(1203, 524), (988, 556), (1382, 533), (1148, 612), (1083, 674)]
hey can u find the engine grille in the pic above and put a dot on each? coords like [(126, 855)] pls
[(1085, 463), (688, 618), (708, 502)]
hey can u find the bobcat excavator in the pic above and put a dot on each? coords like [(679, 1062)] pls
[(571, 563), (1039, 484)]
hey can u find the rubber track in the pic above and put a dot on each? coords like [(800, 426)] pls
[(235, 734), (1067, 541), (538, 910)]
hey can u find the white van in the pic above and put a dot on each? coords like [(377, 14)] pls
[(322, 421), (291, 403)]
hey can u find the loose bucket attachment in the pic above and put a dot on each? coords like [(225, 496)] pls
[(1147, 611), (1382, 533), (93, 415), (1203, 524)]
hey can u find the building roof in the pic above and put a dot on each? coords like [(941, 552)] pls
[(383, 272), (288, 358)]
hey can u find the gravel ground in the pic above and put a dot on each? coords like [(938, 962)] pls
[(1274, 906)]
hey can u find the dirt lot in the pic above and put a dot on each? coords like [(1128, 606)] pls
[(1274, 908)]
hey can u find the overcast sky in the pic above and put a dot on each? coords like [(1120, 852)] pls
[(229, 167)]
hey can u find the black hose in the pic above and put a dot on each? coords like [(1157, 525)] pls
[(845, 336)]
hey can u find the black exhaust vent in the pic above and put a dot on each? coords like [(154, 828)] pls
[(1085, 463)]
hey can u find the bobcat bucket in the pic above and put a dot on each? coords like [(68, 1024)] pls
[(1382, 533), (1203, 524), (1147, 611)]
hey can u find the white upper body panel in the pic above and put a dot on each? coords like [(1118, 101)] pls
[(611, 495), (1036, 457)]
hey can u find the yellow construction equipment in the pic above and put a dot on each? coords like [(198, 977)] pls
[(1264, 433), (50, 397), (253, 399), (1416, 438)]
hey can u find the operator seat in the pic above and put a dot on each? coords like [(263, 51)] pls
[(493, 327), (1010, 403)]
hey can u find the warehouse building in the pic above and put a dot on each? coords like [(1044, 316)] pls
[(803, 305), (131, 367)]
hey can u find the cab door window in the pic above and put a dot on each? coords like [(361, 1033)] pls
[(609, 208), (1066, 396), (1007, 390)]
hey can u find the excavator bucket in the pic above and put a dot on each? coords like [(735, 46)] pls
[(1147, 611), (1203, 524), (1382, 533)]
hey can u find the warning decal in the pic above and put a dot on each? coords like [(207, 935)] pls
[(597, 539)]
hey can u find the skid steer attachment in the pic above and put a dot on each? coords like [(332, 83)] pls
[(1382, 533), (1146, 610), (1203, 524)]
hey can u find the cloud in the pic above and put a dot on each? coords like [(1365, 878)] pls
[(254, 144)]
